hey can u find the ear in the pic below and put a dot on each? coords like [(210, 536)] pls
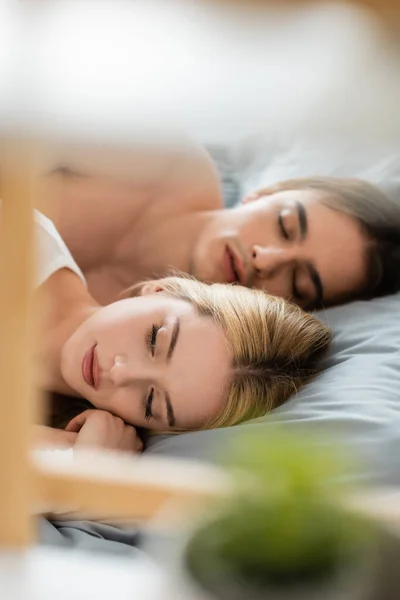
[(152, 287)]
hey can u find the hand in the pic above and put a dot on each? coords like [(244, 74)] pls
[(100, 429)]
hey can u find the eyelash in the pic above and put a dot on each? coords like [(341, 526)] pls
[(151, 344), (148, 406), (286, 236), (282, 228), (295, 291), (152, 338)]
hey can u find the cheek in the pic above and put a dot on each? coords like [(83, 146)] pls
[(124, 403), (258, 226), (72, 354), (341, 263), (123, 334), (68, 365)]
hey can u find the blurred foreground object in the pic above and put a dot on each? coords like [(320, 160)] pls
[(383, 8), (16, 403), (107, 69), (286, 533)]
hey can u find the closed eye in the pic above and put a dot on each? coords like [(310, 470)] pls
[(282, 227), (152, 339), (148, 413), (297, 226), (295, 291), (311, 292)]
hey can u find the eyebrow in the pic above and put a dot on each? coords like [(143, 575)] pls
[(303, 221), (174, 339)]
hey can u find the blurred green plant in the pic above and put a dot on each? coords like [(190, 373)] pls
[(287, 524)]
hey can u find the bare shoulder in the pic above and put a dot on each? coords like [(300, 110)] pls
[(96, 195), (190, 184), (91, 213), (172, 167), (194, 175)]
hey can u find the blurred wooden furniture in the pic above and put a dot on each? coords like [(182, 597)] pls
[(16, 482), (383, 8)]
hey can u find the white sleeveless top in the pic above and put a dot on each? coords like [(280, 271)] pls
[(52, 255), (52, 252)]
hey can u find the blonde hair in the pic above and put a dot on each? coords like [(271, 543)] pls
[(377, 216), (275, 345)]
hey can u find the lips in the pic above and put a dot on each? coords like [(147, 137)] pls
[(90, 368), (229, 267)]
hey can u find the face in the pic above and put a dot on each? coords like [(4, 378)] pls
[(286, 243), (150, 360)]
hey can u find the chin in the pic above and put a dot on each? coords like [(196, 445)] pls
[(209, 278), (69, 381), (204, 264), (204, 274), (67, 370)]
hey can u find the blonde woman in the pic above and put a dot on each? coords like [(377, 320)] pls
[(179, 355)]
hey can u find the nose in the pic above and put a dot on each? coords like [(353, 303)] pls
[(268, 260), (124, 373)]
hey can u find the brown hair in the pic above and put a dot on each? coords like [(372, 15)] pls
[(275, 345), (378, 218)]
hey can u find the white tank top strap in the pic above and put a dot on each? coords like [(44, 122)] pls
[(52, 252)]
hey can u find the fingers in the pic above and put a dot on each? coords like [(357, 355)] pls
[(101, 429), (131, 442), (136, 444), (70, 437), (76, 424)]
